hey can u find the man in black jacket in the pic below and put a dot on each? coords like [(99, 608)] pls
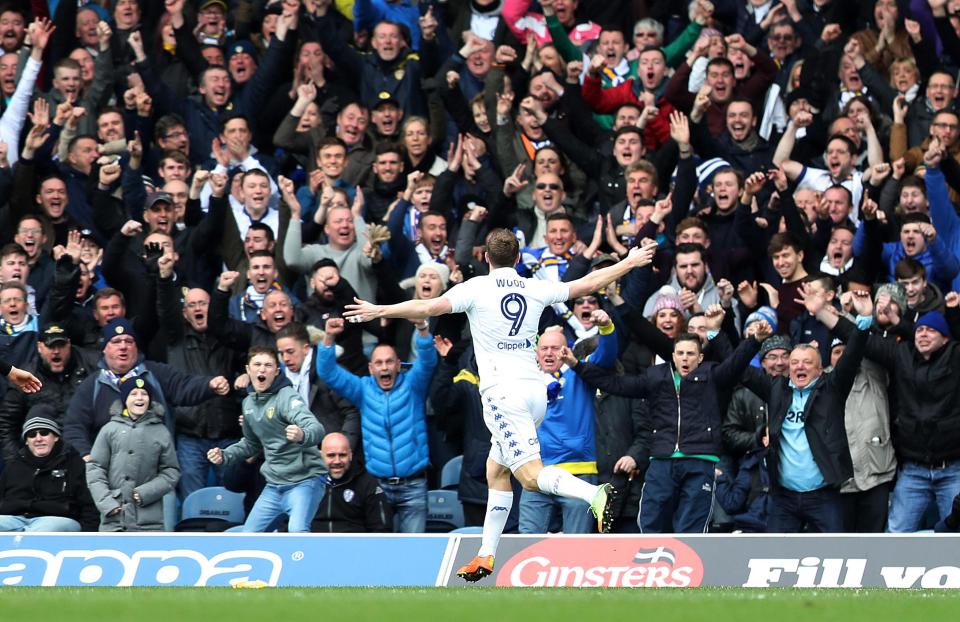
[(189, 346), (45, 487), (61, 368), (925, 416), (333, 411), (685, 444), (354, 501), (808, 453)]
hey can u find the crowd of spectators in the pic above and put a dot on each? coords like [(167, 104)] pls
[(190, 186)]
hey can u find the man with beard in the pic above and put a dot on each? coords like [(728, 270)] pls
[(431, 244), (298, 355), (354, 501), (98, 396), (739, 144), (61, 368), (692, 280), (13, 27), (387, 182), (190, 346), (331, 293)]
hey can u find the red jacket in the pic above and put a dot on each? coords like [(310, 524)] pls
[(605, 101)]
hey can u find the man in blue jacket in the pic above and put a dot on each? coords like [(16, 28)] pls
[(567, 434), (392, 418)]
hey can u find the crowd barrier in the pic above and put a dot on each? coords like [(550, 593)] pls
[(175, 559)]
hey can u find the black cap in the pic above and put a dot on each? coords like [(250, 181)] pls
[(53, 333), (157, 197)]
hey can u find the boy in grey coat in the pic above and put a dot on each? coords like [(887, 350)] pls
[(277, 422), (133, 463)]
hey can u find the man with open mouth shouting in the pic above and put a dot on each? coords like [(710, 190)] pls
[(278, 422)]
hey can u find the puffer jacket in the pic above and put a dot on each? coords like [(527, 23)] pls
[(133, 456), (867, 419), (265, 418), (392, 423)]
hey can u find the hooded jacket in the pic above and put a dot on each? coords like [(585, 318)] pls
[(265, 418), (133, 456)]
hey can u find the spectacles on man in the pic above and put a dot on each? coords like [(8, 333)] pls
[(545, 186), (44, 433)]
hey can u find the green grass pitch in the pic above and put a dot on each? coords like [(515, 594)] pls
[(469, 604)]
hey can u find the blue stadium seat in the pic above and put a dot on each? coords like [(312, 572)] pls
[(211, 509), (444, 511), (450, 475)]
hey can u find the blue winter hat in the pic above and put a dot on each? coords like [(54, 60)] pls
[(242, 46), (934, 320), (134, 382), (116, 326), (763, 313)]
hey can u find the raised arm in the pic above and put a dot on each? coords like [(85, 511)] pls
[(638, 257)]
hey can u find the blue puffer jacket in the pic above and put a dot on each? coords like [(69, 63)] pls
[(393, 422)]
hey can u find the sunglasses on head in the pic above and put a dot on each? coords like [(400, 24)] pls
[(34, 433), (544, 186)]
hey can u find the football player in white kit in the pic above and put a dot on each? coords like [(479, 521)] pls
[(504, 313)]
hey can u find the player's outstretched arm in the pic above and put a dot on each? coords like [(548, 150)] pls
[(637, 258), (364, 311)]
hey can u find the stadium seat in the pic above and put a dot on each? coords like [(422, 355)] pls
[(444, 511), (211, 509), (450, 475), (473, 529)]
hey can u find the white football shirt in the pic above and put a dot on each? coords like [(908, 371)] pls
[(504, 312)]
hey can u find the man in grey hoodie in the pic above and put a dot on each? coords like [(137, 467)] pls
[(277, 422)]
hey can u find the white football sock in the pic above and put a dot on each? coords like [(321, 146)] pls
[(498, 509), (555, 481)]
